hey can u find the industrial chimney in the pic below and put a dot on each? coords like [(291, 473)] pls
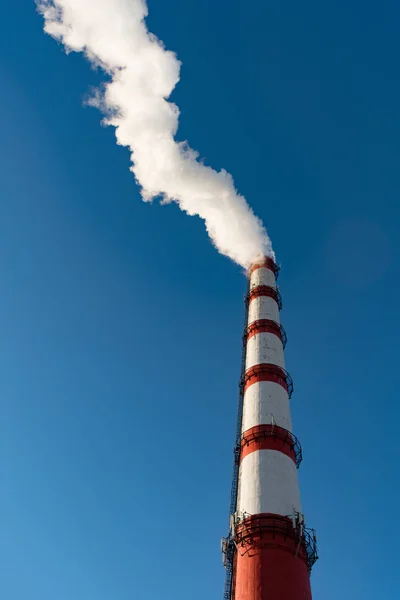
[(269, 552)]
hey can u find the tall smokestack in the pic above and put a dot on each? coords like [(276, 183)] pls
[(269, 551)]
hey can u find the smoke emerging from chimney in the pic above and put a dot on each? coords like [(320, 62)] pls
[(134, 100)]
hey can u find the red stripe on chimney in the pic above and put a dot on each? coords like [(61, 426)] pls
[(267, 372), (265, 263), (265, 290), (264, 326), (271, 560), (269, 437)]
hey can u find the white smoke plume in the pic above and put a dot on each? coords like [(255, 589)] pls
[(142, 75)]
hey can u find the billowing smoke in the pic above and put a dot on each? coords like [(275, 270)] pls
[(142, 75)]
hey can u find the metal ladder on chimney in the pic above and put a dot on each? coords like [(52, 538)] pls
[(228, 542)]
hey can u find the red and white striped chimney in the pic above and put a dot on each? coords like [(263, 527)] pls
[(269, 552)]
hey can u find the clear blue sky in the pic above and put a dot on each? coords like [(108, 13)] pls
[(121, 325)]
